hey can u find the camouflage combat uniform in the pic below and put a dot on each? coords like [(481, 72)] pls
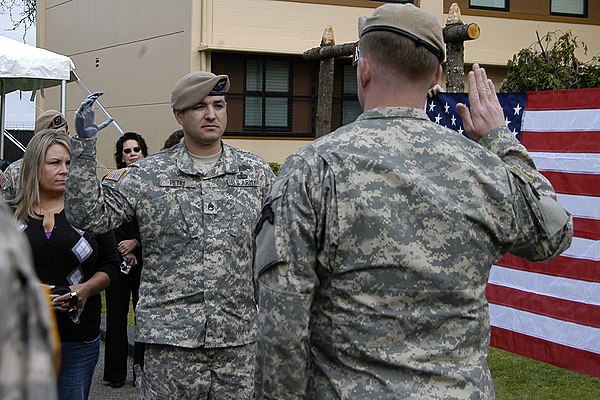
[(26, 345), (196, 286), (373, 253), (9, 180)]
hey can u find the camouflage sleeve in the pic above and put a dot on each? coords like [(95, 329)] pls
[(545, 227), (267, 180), (285, 278), (26, 323), (8, 181), (89, 205)]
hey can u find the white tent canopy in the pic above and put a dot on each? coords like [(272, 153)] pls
[(29, 68), (25, 67)]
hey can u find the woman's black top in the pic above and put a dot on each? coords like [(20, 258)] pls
[(69, 250)]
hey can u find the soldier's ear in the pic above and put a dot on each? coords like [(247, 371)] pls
[(364, 71), (177, 114), (437, 77)]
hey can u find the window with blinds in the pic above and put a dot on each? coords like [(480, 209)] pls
[(350, 105), (572, 8), (489, 4), (267, 95)]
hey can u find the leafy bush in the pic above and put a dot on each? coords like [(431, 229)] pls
[(550, 64), (275, 167)]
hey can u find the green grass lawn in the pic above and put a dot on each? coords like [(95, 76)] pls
[(520, 378)]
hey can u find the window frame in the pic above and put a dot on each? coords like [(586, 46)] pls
[(347, 96), (492, 8), (572, 15), (263, 129)]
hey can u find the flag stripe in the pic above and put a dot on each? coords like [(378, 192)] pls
[(576, 163), (539, 326), (564, 99), (577, 184), (564, 142), (566, 267), (546, 285), (562, 356), (586, 228), (580, 206), (565, 310), (583, 248), (561, 121)]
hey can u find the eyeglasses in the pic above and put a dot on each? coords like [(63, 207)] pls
[(135, 150), (355, 54)]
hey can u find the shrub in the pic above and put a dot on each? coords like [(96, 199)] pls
[(275, 167), (550, 64)]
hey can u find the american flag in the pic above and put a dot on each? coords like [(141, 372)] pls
[(550, 311)]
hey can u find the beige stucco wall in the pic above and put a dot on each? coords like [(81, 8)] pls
[(135, 50), (279, 26), (501, 39)]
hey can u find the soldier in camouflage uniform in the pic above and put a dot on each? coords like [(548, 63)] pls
[(376, 241), (196, 204), (27, 363), (9, 179)]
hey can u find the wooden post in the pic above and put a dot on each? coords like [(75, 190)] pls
[(325, 91), (455, 34), (326, 53)]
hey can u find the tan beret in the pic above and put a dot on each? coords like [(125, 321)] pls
[(195, 86), (50, 119), (407, 20)]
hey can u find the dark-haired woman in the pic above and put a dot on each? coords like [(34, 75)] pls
[(130, 147)]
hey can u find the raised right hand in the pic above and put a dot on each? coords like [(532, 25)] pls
[(485, 112), (84, 118)]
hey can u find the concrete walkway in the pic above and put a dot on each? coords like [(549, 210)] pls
[(100, 389)]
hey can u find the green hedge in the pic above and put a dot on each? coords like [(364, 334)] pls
[(275, 167)]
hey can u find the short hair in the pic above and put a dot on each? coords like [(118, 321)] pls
[(31, 168), (119, 147), (173, 139), (399, 54)]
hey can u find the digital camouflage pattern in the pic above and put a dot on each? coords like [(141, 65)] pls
[(180, 373), (373, 253), (196, 286), (26, 341), (9, 185)]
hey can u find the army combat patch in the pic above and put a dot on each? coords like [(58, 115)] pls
[(116, 174), (3, 179)]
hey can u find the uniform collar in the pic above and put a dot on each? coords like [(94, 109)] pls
[(227, 164), (393, 112)]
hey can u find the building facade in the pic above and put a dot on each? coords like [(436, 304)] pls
[(136, 50)]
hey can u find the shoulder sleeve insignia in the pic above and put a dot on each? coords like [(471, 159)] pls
[(116, 174), (3, 179)]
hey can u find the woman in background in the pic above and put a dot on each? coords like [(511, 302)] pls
[(130, 147), (75, 264)]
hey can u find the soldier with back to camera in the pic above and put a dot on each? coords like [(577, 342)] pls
[(376, 241)]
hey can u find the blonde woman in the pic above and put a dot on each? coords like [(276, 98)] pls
[(76, 265)]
